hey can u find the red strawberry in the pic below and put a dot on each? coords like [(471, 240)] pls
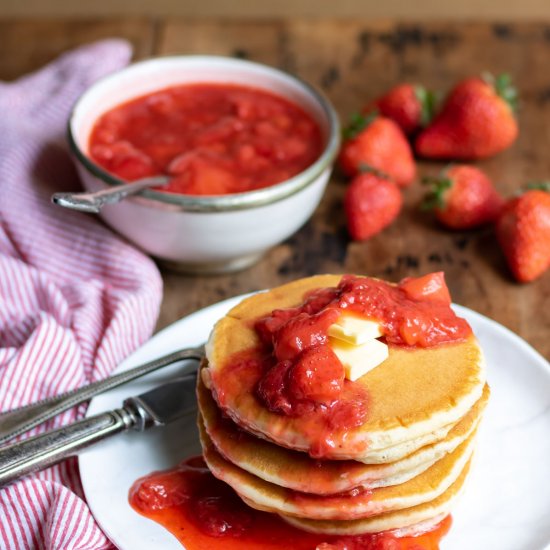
[(523, 231), (463, 198), (377, 143), (371, 203), (411, 107), (476, 121)]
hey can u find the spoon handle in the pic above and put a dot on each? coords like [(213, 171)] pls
[(18, 421), (94, 201)]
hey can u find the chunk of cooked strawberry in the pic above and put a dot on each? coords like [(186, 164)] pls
[(267, 326), (431, 287), (302, 332), (271, 388), (317, 375)]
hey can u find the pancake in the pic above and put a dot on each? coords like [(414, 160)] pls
[(430, 512), (296, 470), (415, 397), (269, 497), (399, 451)]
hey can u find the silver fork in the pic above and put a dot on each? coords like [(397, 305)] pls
[(18, 421)]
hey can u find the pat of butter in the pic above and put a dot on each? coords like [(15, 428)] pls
[(358, 360), (355, 330)]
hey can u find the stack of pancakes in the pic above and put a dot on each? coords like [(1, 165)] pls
[(402, 468)]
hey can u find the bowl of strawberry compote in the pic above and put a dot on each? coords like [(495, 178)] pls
[(247, 151)]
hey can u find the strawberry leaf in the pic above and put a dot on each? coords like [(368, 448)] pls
[(538, 186), (365, 168), (358, 122), (428, 104), (502, 85), (434, 197)]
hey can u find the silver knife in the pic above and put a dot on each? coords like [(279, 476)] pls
[(18, 421), (157, 407)]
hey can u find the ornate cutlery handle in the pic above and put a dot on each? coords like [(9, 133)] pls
[(50, 448), (18, 421)]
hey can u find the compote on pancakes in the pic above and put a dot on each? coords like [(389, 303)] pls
[(303, 416)]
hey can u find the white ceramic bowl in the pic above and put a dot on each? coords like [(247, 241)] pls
[(206, 233)]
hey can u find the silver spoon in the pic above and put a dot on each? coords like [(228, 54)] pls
[(94, 201)]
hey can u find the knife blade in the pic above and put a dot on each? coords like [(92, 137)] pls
[(18, 421), (163, 404), (157, 407)]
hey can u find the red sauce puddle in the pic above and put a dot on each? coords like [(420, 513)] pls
[(205, 513)]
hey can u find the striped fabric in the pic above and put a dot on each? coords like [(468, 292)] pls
[(74, 299)]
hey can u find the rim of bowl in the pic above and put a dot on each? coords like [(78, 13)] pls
[(236, 201)]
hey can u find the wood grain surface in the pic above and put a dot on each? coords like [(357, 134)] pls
[(487, 10), (352, 62)]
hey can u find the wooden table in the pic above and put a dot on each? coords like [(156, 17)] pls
[(353, 61)]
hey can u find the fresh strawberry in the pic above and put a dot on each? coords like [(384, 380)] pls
[(523, 231), (377, 143), (476, 121), (410, 106), (371, 203), (462, 198)]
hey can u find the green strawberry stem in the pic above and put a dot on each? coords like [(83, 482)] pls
[(434, 196), (365, 168), (358, 122), (538, 186), (502, 85), (428, 103)]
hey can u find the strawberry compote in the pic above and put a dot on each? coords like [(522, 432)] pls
[(212, 139), (302, 373), (203, 512)]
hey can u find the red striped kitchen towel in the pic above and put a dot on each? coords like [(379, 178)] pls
[(74, 299)]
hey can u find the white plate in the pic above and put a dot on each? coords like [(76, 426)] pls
[(506, 505)]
